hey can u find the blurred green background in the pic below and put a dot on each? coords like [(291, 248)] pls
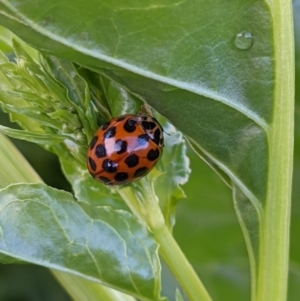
[(206, 229)]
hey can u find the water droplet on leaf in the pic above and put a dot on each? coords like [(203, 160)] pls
[(243, 40)]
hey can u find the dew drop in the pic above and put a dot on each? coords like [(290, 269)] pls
[(243, 40)]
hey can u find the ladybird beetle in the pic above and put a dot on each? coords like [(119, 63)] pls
[(125, 149)]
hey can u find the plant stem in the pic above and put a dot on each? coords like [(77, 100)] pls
[(274, 243), (180, 267), (145, 207)]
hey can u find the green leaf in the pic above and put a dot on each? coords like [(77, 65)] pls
[(45, 226), (78, 93), (11, 84), (5, 40), (119, 100), (33, 114), (40, 99), (46, 139)]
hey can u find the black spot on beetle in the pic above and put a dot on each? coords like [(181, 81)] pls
[(105, 126), (130, 125), (148, 125), (121, 176), (111, 132), (109, 166), (156, 137), (140, 172), (100, 151), (153, 154), (120, 146), (132, 160), (143, 140), (93, 142), (92, 163)]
